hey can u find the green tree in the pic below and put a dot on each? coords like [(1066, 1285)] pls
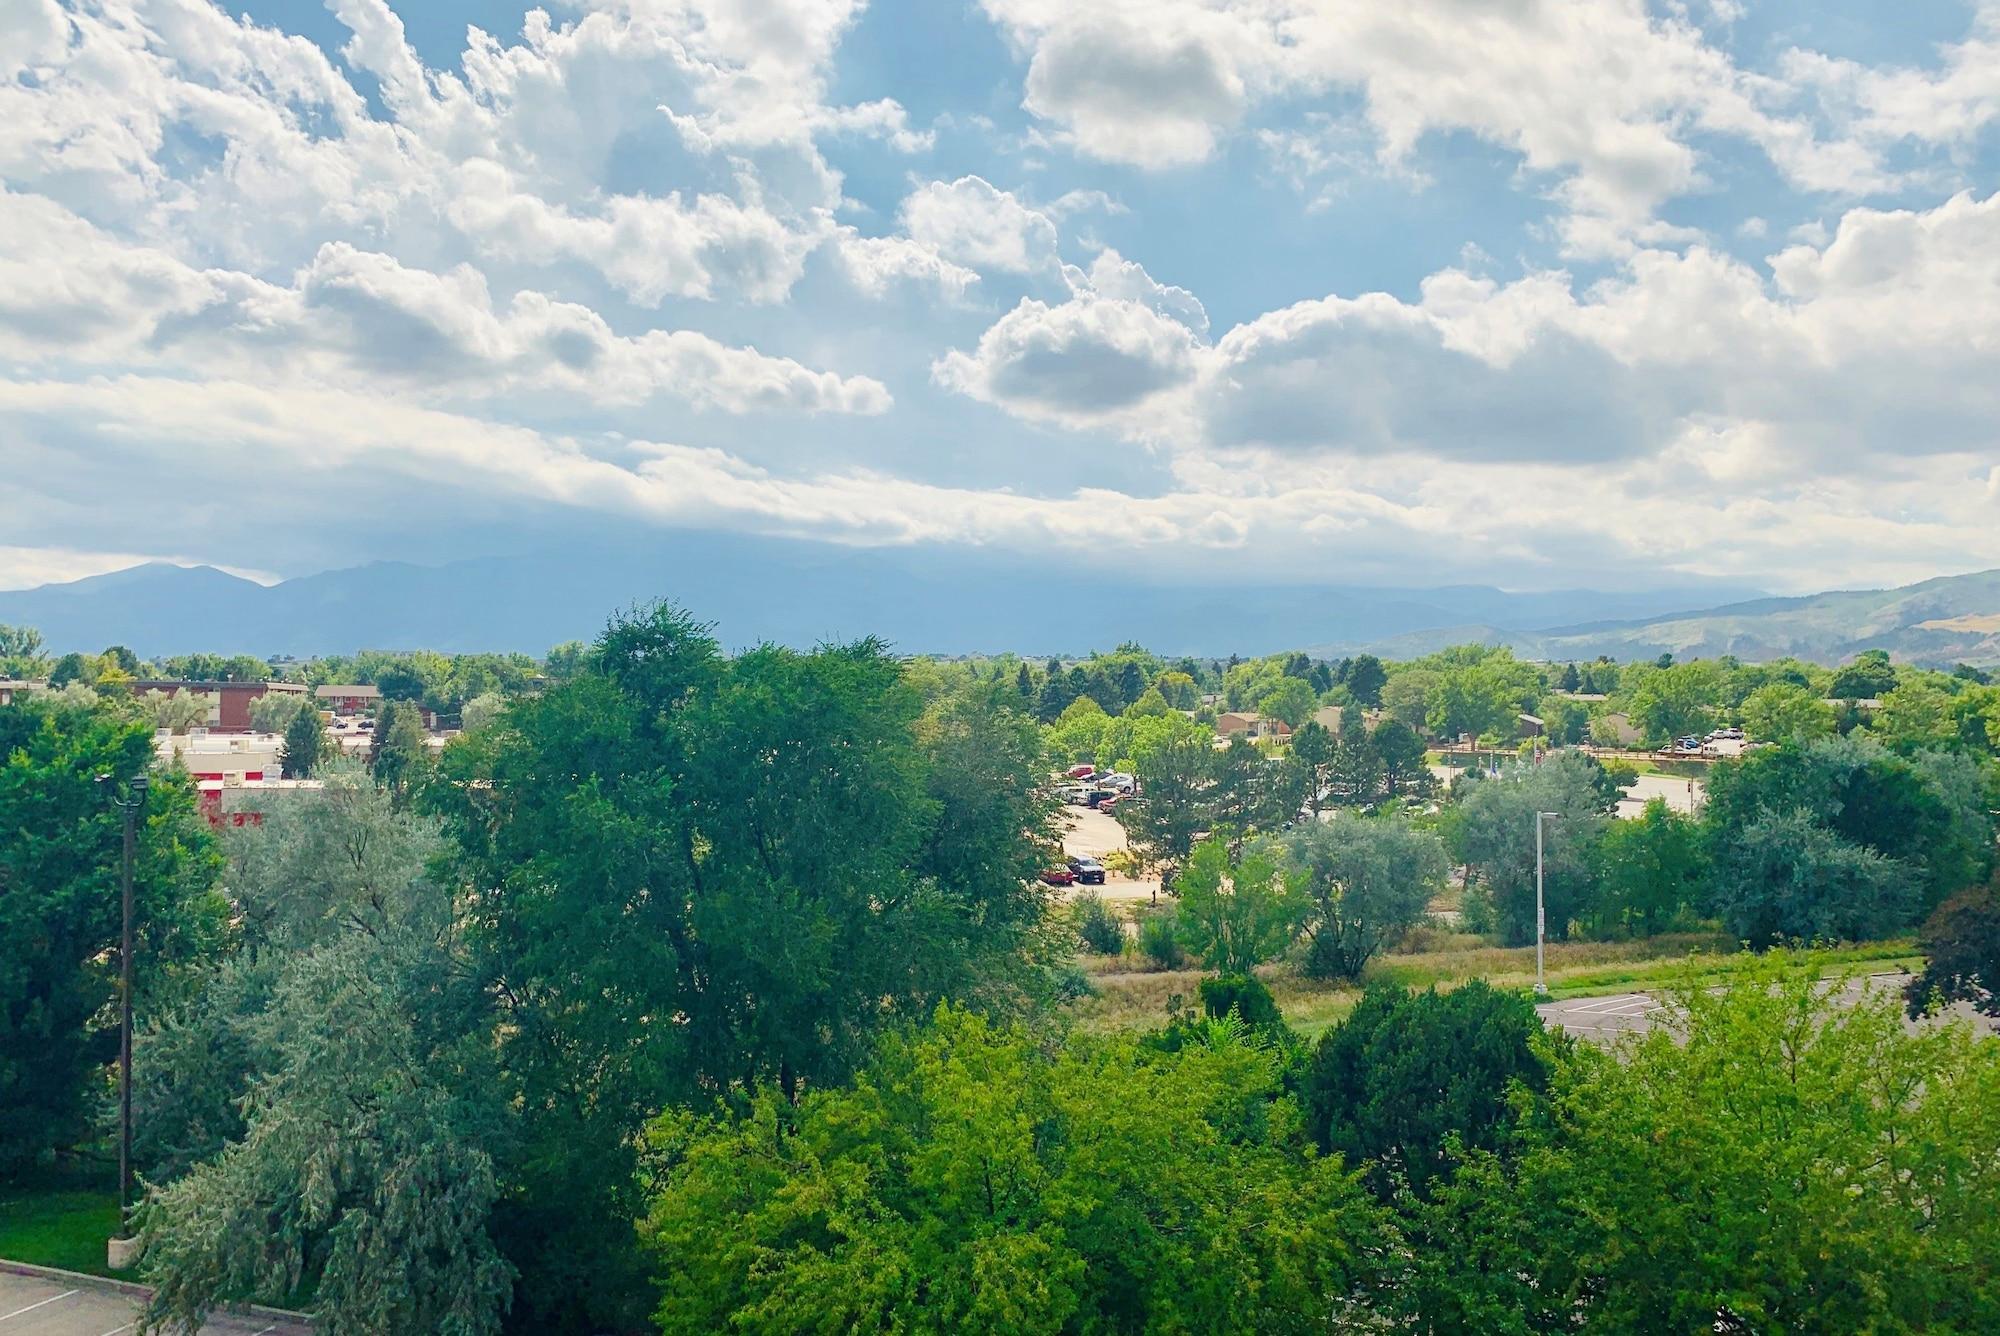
[(1364, 679), (175, 711), (1407, 697), (1312, 754), (307, 745), (1782, 712), (1772, 1157), (60, 841), (1291, 700), (1784, 877), (1677, 701), (1079, 732), (401, 749), (1236, 915), (364, 1173), (274, 711), (1367, 882), (750, 847), (1177, 776), (74, 667), (974, 1179), (1870, 677), (1409, 1080), (1651, 873), (1495, 837), (481, 711), (1401, 752)]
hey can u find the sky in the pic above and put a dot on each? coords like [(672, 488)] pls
[(1537, 293)]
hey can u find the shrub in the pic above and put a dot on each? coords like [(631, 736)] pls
[(1243, 994), (1160, 939), (1098, 927)]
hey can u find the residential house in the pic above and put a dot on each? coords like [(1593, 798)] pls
[(360, 698)]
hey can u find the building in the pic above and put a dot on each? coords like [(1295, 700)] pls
[(1329, 717), (360, 698), (1250, 724), (223, 759), (12, 689), (228, 702)]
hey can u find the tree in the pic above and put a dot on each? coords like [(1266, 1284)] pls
[(1179, 689), (175, 711), (1312, 754), (975, 1179), (748, 850), (1928, 812), (401, 748), (1078, 732), (306, 744), (1237, 915), (1677, 701), (1782, 712), (1870, 677), (73, 667), (1651, 872), (1177, 778), (400, 681), (1365, 679), (1407, 697), (1401, 752), (1357, 768), (273, 711), (60, 919), (121, 658), (1771, 1157), (1961, 946), (364, 1173), (1570, 680), (1410, 1080), (20, 650), (1367, 882), (1784, 877), (1291, 700), (481, 711), (1495, 838)]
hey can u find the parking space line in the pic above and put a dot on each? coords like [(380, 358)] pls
[(8, 1317), (115, 1330)]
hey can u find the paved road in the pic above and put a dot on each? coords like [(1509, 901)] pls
[(40, 1306), (1605, 1018)]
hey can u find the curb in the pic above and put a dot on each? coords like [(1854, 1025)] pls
[(82, 1280)]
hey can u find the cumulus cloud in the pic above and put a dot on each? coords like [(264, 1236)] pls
[(974, 223), (1601, 96)]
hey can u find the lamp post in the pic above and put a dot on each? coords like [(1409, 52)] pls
[(1541, 921), (130, 806)]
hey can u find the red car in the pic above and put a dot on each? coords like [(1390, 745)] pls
[(1059, 876), (1081, 771), (1107, 803)]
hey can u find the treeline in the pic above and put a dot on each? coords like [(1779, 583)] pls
[(1764, 1162), (698, 993)]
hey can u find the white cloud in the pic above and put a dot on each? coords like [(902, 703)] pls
[(972, 222), (1948, 105), (1599, 95)]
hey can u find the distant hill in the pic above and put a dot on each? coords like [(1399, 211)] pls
[(922, 600), (1949, 620)]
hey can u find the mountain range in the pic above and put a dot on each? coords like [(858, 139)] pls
[(964, 600)]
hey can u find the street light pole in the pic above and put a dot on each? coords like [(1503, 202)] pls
[(1541, 921), (129, 807)]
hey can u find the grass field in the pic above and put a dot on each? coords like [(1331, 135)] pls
[(1130, 997), (63, 1226)]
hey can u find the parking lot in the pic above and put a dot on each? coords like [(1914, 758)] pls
[(42, 1305)]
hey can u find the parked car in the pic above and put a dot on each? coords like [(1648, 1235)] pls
[(1096, 796), (1081, 771), (1059, 876), (1689, 743), (1109, 801), (1118, 783), (1088, 871)]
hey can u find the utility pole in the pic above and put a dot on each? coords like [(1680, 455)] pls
[(130, 806), (1541, 920)]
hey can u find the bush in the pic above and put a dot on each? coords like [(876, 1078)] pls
[(1098, 927), (1160, 939), (1243, 994), (1408, 1072)]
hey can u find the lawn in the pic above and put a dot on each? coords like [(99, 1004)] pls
[(62, 1226), (1128, 996)]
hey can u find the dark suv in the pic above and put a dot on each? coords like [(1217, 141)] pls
[(1088, 871)]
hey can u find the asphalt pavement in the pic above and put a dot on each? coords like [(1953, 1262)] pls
[(1607, 1017), (57, 1305)]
